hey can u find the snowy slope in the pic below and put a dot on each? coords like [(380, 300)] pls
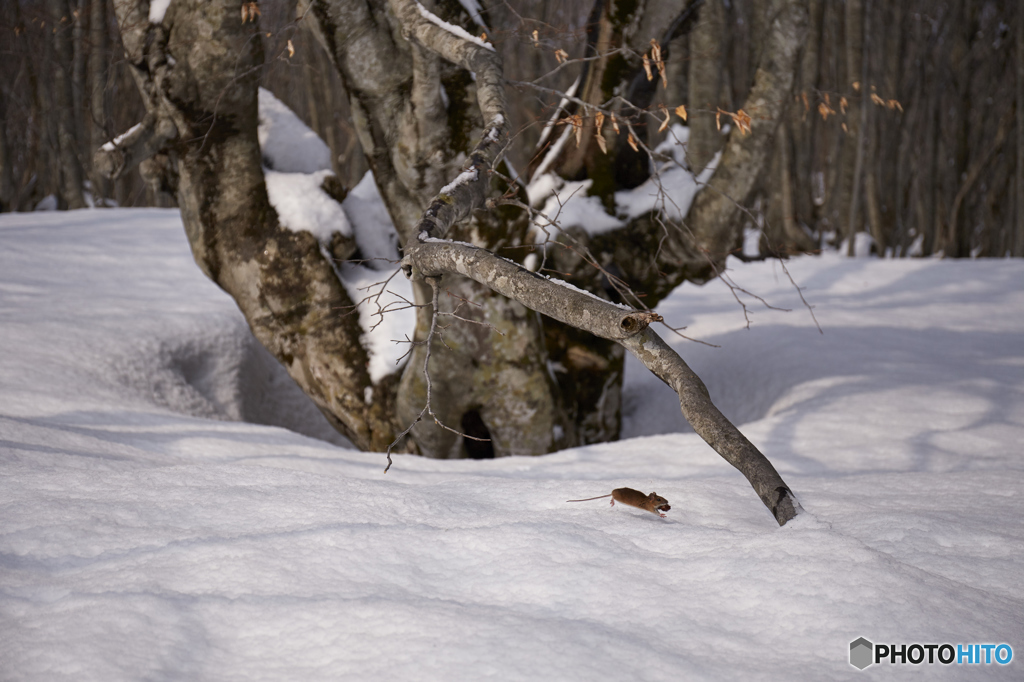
[(147, 531)]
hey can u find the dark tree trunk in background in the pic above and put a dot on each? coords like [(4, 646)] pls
[(6, 174), (1018, 233), (849, 195), (705, 83), (79, 10), (64, 103), (96, 101)]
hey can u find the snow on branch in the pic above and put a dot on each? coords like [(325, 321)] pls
[(457, 30), (128, 150)]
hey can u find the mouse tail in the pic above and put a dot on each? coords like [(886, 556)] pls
[(588, 499)]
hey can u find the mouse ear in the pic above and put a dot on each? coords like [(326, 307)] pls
[(654, 494)]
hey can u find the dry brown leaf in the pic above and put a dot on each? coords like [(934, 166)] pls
[(601, 142), (536, 42), (632, 143), (742, 120), (877, 100), (803, 96), (825, 110), (658, 62), (843, 104), (250, 10), (615, 124), (668, 117), (647, 68), (291, 49), (599, 121), (561, 55), (718, 119), (893, 104), (856, 86), (681, 111), (845, 129)]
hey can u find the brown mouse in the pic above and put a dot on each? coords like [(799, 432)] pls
[(634, 498)]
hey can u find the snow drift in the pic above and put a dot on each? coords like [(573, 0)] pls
[(170, 507)]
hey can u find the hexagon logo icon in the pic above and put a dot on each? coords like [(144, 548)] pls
[(861, 653)]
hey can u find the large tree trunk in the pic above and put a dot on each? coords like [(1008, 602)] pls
[(287, 290), (412, 140)]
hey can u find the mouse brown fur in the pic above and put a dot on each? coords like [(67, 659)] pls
[(634, 498)]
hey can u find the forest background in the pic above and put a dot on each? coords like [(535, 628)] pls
[(904, 122)]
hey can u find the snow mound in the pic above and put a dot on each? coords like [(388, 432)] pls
[(297, 164), (288, 144), (302, 204), (375, 233), (669, 191)]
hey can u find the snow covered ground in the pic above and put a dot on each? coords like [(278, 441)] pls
[(162, 518)]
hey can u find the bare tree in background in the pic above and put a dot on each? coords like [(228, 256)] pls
[(938, 171)]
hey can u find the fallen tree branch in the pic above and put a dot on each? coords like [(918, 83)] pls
[(584, 311)]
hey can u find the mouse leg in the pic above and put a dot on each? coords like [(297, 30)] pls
[(613, 503)]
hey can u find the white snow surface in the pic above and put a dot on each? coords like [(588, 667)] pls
[(570, 206), (672, 189), (288, 144), (302, 204), (157, 10), (375, 233), (385, 314), (149, 529)]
